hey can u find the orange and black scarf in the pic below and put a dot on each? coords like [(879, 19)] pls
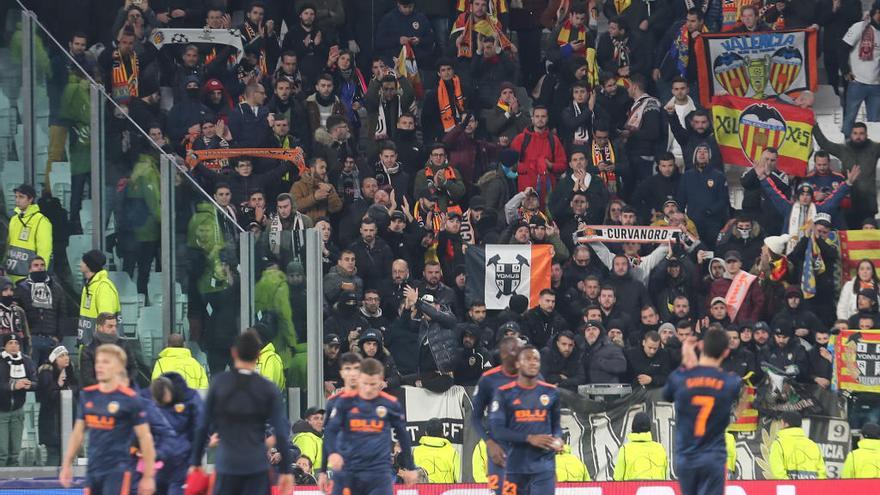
[(604, 154), (250, 34), (564, 37), (489, 26), (450, 109), (124, 85)]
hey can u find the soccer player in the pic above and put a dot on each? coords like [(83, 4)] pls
[(487, 385), (349, 370), (525, 415), (239, 404), (704, 397), (358, 436), (113, 415)]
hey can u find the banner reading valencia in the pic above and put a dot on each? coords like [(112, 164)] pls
[(756, 65), (745, 127)]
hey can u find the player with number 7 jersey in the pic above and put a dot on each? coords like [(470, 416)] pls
[(704, 396)]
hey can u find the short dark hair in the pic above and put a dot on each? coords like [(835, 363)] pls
[(772, 149), (685, 323), (546, 291), (539, 107), (665, 157), (821, 154), (652, 335), (792, 418), (861, 125), (387, 145), (104, 318), (444, 62), (679, 79), (221, 185), (79, 34), (527, 347), (638, 80), (158, 388), (324, 77), (372, 367), (580, 84), (607, 287), (248, 345), (621, 23), (701, 112), (350, 358), (715, 342), (695, 11)]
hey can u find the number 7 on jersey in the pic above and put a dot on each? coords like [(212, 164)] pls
[(705, 403)]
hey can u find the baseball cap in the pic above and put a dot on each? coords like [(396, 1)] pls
[(537, 221), (313, 410), (732, 255), (822, 218), (477, 203), (398, 215), (331, 339), (805, 187), (596, 324), (510, 325), (718, 299), (761, 325)]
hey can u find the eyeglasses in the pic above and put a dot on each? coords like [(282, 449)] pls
[(438, 154)]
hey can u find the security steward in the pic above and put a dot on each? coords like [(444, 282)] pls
[(864, 462), (30, 235), (793, 456), (99, 295), (641, 458)]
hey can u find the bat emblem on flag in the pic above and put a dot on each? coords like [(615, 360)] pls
[(508, 276), (760, 127)]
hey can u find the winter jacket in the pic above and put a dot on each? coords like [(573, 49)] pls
[(554, 366), (53, 317), (240, 186), (333, 284), (757, 205), (184, 411), (487, 74), (846, 305), (741, 362), (652, 192), (657, 367), (451, 192), (394, 25), (793, 354), (560, 199), (439, 337), (392, 375), (801, 317), (863, 462), (249, 130), (11, 399), (532, 169), (309, 442), (793, 456), (540, 327), (784, 206), (401, 101), (689, 138), (403, 341), (468, 155), (641, 458), (495, 189), (749, 248), (314, 112), (270, 367), (135, 367), (752, 308), (187, 112), (303, 192), (603, 362), (49, 397), (703, 195), (179, 360), (438, 458), (569, 468), (374, 263), (30, 235)]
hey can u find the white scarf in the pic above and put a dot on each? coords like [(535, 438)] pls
[(171, 36), (16, 365), (736, 293), (381, 122), (645, 103), (796, 220), (275, 229), (41, 295), (581, 132)]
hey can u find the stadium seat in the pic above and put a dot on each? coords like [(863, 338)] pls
[(13, 176), (149, 331), (77, 245), (59, 181), (128, 299), (85, 217), (827, 103)]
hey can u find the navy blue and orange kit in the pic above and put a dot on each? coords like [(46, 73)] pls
[(110, 419), (704, 399), (517, 412), (487, 385), (360, 431)]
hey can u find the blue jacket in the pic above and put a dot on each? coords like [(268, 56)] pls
[(831, 205), (186, 406), (249, 130), (394, 25), (704, 195), (168, 444)]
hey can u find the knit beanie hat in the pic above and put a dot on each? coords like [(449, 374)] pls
[(95, 260)]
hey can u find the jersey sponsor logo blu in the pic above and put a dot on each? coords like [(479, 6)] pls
[(98, 422), (530, 415), (366, 425)]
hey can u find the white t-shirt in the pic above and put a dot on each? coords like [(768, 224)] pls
[(682, 111), (865, 72)]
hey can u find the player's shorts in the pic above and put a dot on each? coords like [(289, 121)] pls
[(239, 484), (530, 484), (707, 479), (495, 477), (368, 484), (340, 483), (119, 483)]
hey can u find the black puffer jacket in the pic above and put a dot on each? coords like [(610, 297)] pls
[(603, 362), (542, 327), (52, 319), (438, 336), (392, 376), (554, 365)]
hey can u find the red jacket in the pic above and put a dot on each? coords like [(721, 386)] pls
[(532, 168), (752, 307)]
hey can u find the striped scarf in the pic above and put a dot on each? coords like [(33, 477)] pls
[(450, 109), (488, 26), (564, 37), (605, 154), (124, 84), (251, 34)]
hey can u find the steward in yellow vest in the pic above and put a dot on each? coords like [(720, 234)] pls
[(30, 235), (641, 458)]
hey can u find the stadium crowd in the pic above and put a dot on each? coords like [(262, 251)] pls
[(523, 123)]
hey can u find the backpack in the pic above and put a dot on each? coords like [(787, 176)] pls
[(527, 138)]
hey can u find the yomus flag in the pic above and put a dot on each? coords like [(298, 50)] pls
[(745, 127), (495, 272)]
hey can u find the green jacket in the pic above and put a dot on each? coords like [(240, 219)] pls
[(309, 443), (569, 468), (76, 114), (204, 236), (793, 456), (641, 459), (864, 462), (439, 459), (99, 295), (270, 367), (449, 193), (30, 235), (144, 186), (179, 360)]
